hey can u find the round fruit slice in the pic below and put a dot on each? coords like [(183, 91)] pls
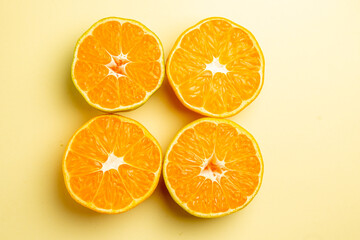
[(111, 164), (216, 67), (213, 168), (118, 64)]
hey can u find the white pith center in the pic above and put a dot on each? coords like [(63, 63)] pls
[(116, 62), (213, 175), (215, 66), (113, 162)]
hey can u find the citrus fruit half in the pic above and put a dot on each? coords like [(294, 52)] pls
[(111, 164), (118, 64), (213, 167), (216, 67)]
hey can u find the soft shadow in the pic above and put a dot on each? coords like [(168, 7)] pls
[(188, 115), (175, 102), (173, 207), (68, 203), (73, 98)]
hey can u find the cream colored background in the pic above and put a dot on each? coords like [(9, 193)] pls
[(306, 120)]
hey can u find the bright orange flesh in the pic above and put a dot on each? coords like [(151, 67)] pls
[(111, 164), (118, 64), (213, 167), (216, 68)]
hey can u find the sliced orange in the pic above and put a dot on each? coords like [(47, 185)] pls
[(118, 64), (216, 67), (213, 167), (111, 164)]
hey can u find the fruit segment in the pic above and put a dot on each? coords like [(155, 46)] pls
[(86, 186), (187, 190), (131, 37), (111, 193), (202, 200), (81, 165), (143, 155), (220, 201), (92, 51), (84, 143), (216, 33), (186, 66), (137, 181), (106, 93), (137, 71), (89, 74), (109, 36)]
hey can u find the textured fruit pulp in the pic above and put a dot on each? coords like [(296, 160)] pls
[(111, 163), (117, 64), (213, 168), (216, 67)]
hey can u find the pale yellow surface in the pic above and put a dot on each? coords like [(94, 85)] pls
[(306, 121)]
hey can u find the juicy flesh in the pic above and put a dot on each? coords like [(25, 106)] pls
[(212, 168), (118, 64), (111, 163), (216, 67)]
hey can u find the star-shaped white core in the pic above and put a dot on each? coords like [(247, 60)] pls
[(215, 66)]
